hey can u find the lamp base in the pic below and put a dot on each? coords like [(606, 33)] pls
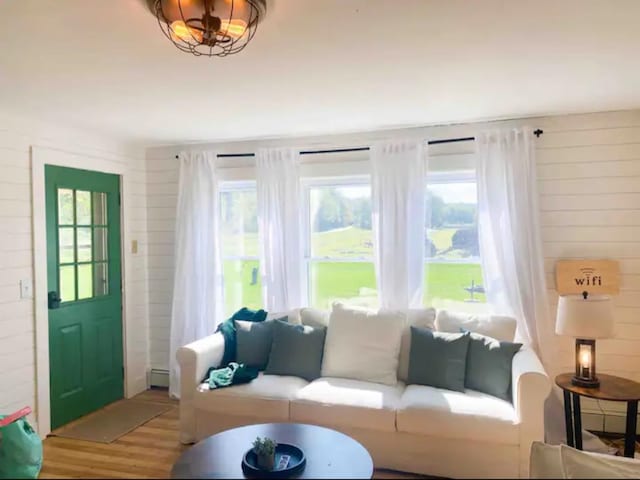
[(585, 383)]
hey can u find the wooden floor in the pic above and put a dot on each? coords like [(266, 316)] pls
[(149, 451)]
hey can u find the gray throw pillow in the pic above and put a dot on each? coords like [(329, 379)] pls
[(438, 359), (253, 342), (297, 350), (489, 365)]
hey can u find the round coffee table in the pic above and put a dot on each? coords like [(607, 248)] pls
[(329, 454)]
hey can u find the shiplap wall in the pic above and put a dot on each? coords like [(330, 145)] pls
[(589, 186), (17, 354)]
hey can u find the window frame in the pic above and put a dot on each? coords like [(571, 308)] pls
[(306, 185)]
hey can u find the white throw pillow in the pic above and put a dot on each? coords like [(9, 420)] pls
[(363, 345), (579, 464), (500, 327)]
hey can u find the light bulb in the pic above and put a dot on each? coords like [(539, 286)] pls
[(585, 358), (182, 31), (233, 28)]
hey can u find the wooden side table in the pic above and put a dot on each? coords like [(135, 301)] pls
[(615, 389)]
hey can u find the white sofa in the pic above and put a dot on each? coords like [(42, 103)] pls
[(411, 428)]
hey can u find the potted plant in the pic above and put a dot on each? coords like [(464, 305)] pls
[(265, 450)]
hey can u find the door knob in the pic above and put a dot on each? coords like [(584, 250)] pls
[(53, 300)]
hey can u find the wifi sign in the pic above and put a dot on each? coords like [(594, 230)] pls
[(574, 277), (588, 278)]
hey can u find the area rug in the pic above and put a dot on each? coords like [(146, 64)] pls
[(112, 422)]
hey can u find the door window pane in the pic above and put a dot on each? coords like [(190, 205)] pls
[(65, 206), (83, 208), (242, 285), (66, 245), (100, 279), (350, 282), (84, 245), (239, 223), (99, 244), (99, 208), (85, 281), (68, 283)]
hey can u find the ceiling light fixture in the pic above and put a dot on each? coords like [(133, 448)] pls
[(209, 27)]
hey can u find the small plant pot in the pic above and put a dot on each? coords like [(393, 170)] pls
[(266, 462)]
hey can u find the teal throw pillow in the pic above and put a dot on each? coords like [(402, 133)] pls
[(253, 342), (296, 350), (489, 365), (438, 359)]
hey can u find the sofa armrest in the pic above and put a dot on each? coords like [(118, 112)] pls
[(194, 360), (530, 387)]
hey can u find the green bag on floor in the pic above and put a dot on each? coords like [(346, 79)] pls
[(20, 450)]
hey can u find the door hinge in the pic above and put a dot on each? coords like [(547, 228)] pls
[(123, 373)]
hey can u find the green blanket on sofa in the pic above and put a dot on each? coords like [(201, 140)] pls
[(233, 374)]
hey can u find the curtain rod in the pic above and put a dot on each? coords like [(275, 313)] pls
[(537, 133)]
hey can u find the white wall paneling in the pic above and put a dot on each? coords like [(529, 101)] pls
[(23, 347), (589, 183)]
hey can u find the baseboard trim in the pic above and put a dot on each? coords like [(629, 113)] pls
[(607, 422), (159, 378)]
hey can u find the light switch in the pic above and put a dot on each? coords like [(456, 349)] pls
[(134, 246), (26, 288)]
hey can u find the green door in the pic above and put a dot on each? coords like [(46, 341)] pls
[(85, 299)]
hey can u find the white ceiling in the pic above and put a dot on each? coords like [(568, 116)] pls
[(318, 66)]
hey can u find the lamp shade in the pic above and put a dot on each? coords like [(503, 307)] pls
[(588, 318)]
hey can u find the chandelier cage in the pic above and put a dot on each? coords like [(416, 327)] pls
[(209, 27)]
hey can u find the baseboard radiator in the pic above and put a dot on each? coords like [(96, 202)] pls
[(158, 378)]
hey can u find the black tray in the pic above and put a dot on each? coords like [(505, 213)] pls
[(296, 463)]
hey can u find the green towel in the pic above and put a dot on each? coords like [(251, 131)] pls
[(228, 330), (234, 374)]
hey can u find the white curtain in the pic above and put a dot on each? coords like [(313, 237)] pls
[(511, 253), (509, 230), (197, 293), (398, 208), (278, 191)]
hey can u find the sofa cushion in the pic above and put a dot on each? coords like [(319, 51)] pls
[(438, 359), (418, 317), (253, 342), (343, 402), (489, 365), (265, 397), (500, 327), (363, 344), (296, 350), (470, 415), (314, 317)]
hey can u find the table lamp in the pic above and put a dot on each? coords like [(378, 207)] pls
[(586, 318)]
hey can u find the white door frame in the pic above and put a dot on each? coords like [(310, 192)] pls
[(41, 156)]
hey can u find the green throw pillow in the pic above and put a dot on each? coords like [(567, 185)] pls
[(296, 350), (253, 342), (438, 359), (489, 365), (228, 330)]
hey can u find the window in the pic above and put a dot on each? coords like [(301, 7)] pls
[(240, 256), (339, 253), (453, 275), (82, 244)]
